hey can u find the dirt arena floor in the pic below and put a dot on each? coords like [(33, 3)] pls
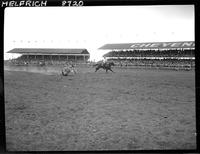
[(132, 109)]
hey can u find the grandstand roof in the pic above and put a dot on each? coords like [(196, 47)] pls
[(149, 45), (48, 51)]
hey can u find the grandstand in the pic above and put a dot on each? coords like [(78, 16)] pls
[(178, 55), (49, 56)]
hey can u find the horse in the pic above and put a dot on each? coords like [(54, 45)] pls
[(105, 65)]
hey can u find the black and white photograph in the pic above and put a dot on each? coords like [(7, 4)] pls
[(100, 78)]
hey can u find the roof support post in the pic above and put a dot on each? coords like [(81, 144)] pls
[(51, 58)]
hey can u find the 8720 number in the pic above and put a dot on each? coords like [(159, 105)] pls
[(72, 3)]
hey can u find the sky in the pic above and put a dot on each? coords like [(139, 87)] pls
[(92, 27)]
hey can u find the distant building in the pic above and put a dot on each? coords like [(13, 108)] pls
[(75, 55)]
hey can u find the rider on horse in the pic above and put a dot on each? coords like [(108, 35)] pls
[(104, 65)]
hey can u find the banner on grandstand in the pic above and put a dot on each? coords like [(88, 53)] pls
[(155, 45)]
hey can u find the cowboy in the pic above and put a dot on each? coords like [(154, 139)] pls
[(72, 67)]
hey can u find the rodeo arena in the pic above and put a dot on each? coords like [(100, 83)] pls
[(140, 96)]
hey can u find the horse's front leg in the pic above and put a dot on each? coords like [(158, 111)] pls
[(111, 70), (97, 69)]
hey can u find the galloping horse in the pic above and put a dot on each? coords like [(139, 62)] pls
[(105, 65)]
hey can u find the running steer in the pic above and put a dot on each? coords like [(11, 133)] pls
[(106, 66)]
